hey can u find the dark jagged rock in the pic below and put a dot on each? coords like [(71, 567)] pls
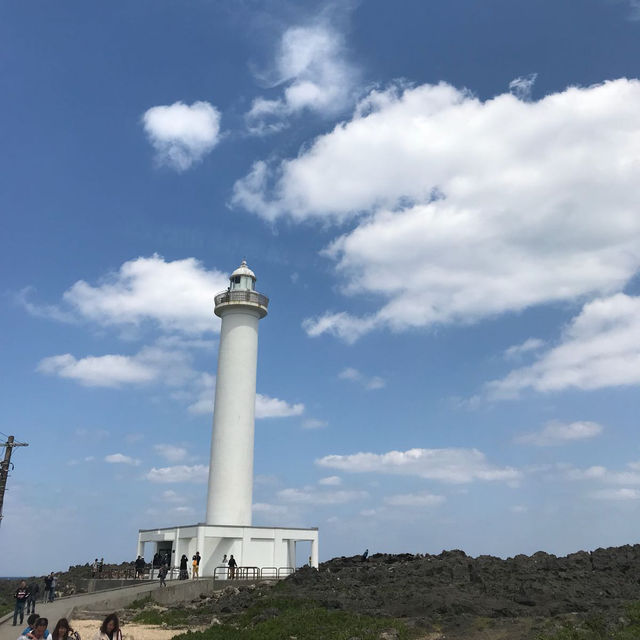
[(452, 584)]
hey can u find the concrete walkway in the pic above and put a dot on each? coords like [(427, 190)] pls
[(111, 600)]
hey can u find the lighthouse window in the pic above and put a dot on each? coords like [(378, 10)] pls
[(236, 280)]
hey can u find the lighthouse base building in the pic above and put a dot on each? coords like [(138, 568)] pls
[(268, 552), (228, 530)]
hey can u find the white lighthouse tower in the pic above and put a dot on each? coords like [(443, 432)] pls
[(265, 552), (241, 307)]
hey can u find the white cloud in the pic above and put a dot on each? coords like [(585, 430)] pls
[(314, 423), (270, 509), (414, 500), (375, 382), (173, 295), (444, 465), (267, 407), (310, 66), (521, 87), (466, 209), (204, 390), (330, 481), (600, 348), (616, 494), (170, 452), (181, 134), (101, 371), (309, 495), (555, 433), (517, 350), (171, 496), (119, 458), (197, 473), (113, 370)]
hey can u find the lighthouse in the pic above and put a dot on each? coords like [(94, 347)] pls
[(241, 308), (260, 551)]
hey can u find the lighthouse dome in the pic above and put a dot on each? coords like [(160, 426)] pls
[(243, 270)]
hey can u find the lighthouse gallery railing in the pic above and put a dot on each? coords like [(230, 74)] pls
[(242, 296)]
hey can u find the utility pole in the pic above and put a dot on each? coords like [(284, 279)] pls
[(6, 465)]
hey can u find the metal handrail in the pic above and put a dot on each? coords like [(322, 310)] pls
[(286, 570), (252, 297), (269, 572)]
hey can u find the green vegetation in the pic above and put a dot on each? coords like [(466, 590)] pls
[(596, 628), (277, 618), (140, 603), (170, 617)]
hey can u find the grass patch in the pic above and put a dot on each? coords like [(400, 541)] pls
[(275, 619), (170, 617), (140, 603), (596, 628)]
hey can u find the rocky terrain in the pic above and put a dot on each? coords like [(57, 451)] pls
[(460, 596)]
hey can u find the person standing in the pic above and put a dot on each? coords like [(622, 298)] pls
[(232, 564), (194, 568), (94, 568), (21, 595), (52, 591), (47, 586), (139, 567), (184, 573), (34, 592), (100, 565), (162, 574), (198, 558)]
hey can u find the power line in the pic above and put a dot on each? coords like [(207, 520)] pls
[(6, 466)]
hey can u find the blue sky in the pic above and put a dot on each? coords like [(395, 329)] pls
[(440, 199)]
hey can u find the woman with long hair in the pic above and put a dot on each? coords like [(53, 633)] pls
[(110, 629), (61, 630)]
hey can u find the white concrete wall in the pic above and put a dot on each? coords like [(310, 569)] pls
[(231, 470), (251, 546)]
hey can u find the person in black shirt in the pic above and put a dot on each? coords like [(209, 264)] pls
[(48, 586), (232, 564), (34, 592), (21, 597)]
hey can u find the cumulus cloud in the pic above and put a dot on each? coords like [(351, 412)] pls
[(312, 70), (100, 371), (599, 348), (414, 500), (181, 134), (267, 407), (370, 383), (170, 452), (113, 370), (462, 209), (555, 433), (172, 295), (309, 495), (119, 458), (455, 466), (197, 473), (330, 481)]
